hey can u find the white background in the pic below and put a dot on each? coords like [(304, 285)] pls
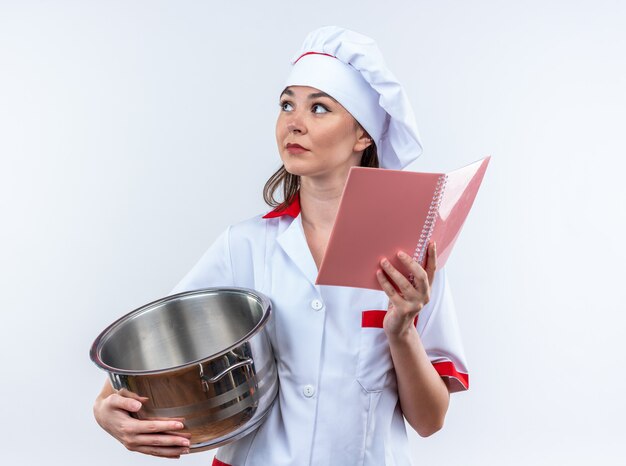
[(133, 132)]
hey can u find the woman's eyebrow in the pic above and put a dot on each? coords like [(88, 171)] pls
[(314, 95)]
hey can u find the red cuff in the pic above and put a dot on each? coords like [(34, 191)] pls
[(459, 381), (217, 462)]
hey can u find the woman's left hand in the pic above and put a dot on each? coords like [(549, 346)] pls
[(406, 298)]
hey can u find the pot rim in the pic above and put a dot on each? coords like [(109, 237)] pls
[(98, 343)]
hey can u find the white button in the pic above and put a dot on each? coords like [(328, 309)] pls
[(317, 304), (309, 391)]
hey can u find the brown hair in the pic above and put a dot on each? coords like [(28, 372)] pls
[(291, 183)]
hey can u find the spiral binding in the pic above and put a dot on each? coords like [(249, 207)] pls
[(431, 218)]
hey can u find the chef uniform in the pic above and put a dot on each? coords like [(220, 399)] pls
[(338, 400)]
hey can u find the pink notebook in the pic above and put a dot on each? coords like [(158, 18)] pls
[(384, 211)]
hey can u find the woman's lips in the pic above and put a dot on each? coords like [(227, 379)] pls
[(295, 149)]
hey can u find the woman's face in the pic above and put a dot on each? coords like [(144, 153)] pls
[(316, 136)]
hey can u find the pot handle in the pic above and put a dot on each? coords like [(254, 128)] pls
[(215, 378)]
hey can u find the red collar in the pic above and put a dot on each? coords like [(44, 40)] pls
[(293, 209)]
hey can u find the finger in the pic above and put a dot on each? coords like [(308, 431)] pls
[(128, 394), (179, 421), (153, 427), (385, 284), (161, 440), (419, 274), (431, 262), (132, 427), (164, 452), (127, 404), (395, 299), (403, 284)]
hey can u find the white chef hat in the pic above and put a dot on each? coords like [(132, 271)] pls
[(349, 67)]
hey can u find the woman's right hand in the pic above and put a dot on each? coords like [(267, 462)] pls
[(151, 437)]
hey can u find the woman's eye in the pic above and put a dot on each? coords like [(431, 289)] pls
[(286, 107), (319, 108)]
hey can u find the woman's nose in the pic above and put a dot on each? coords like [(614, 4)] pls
[(295, 124), (293, 128)]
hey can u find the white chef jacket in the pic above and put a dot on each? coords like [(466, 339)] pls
[(338, 400)]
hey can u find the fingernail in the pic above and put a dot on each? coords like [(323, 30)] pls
[(136, 405), (180, 425), (186, 451), (385, 262)]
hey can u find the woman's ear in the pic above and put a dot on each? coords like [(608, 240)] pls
[(363, 140)]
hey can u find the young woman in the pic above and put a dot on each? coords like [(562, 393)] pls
[(353, 364)]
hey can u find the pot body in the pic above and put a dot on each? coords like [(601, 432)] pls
[(203, 356)]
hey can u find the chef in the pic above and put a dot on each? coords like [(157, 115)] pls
[(353, 364)]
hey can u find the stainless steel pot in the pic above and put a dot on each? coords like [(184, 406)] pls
[(201, 355)]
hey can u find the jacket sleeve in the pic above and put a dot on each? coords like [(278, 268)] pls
[(213, 269), (439, 330)]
